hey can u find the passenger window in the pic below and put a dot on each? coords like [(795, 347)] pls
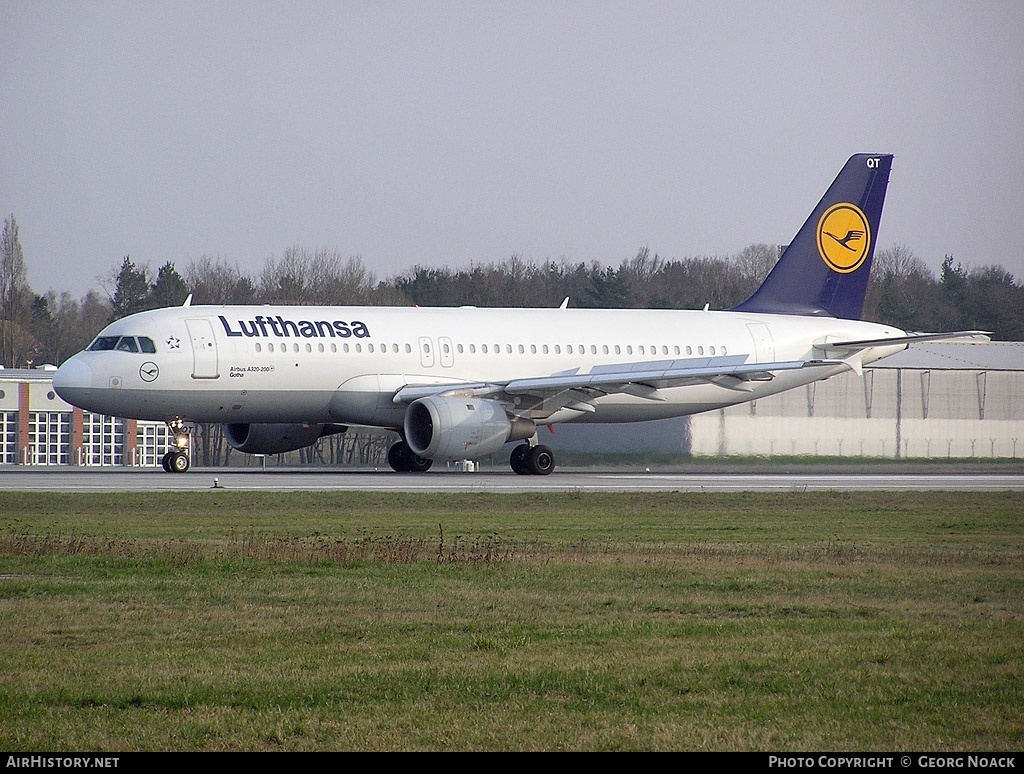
[(146, 345)]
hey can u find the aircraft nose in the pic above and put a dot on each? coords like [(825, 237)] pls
[(71, 379)]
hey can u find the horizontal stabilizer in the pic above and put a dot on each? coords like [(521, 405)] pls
[(908, 339)]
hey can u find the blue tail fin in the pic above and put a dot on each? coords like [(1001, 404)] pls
[(824, 271)]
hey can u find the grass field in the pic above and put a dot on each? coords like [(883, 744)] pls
[(224, 620)]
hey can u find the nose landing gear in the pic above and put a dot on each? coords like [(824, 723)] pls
[(178, 459)]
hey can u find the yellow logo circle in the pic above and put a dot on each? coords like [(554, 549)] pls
[(843, 237)]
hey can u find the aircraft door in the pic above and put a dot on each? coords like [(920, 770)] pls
[(447, 352), (426, 352), (204, 349), (764, 346)]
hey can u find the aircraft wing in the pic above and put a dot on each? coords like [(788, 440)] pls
[(643, 379)]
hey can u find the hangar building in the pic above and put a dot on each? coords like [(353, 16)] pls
[(933, 400)]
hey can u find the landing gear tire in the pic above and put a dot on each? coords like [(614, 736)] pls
[(177, 459), (541, 460), (529, 460), (176, 462), (402, 459), (518, 460)]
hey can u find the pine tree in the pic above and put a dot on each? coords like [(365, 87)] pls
[(130, 292)]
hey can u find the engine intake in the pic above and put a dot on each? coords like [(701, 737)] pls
[(461, 428)]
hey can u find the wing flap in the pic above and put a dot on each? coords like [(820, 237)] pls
[(643, 379), (657, 375)]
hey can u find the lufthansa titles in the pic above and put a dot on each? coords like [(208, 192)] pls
[(277, 326)]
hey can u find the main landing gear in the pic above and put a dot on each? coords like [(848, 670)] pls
[(526, 460), (529, 460), (177, 459), (402, 459)]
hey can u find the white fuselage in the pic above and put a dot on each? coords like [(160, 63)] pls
[(281, 364)]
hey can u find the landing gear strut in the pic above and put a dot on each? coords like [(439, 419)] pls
[(529, 460), (177, 459), (402, 459)]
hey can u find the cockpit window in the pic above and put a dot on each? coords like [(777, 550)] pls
[(123, 344), (104, 343)]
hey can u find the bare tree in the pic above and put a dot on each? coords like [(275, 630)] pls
[(754, 262), (218, 282), (323, 277)]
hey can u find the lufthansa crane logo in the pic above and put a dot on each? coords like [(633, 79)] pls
[(149, 371), (843, 237)]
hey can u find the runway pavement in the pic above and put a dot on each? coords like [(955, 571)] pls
[(292, 479)]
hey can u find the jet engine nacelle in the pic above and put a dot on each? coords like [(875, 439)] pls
[(276, 438), (461, 428)]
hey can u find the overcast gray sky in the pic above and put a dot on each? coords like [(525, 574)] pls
[(446, 133)]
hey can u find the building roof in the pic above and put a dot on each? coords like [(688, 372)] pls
[(959, 355), (40, 374)]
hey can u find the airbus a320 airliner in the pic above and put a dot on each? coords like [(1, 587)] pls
[(460, 383)]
